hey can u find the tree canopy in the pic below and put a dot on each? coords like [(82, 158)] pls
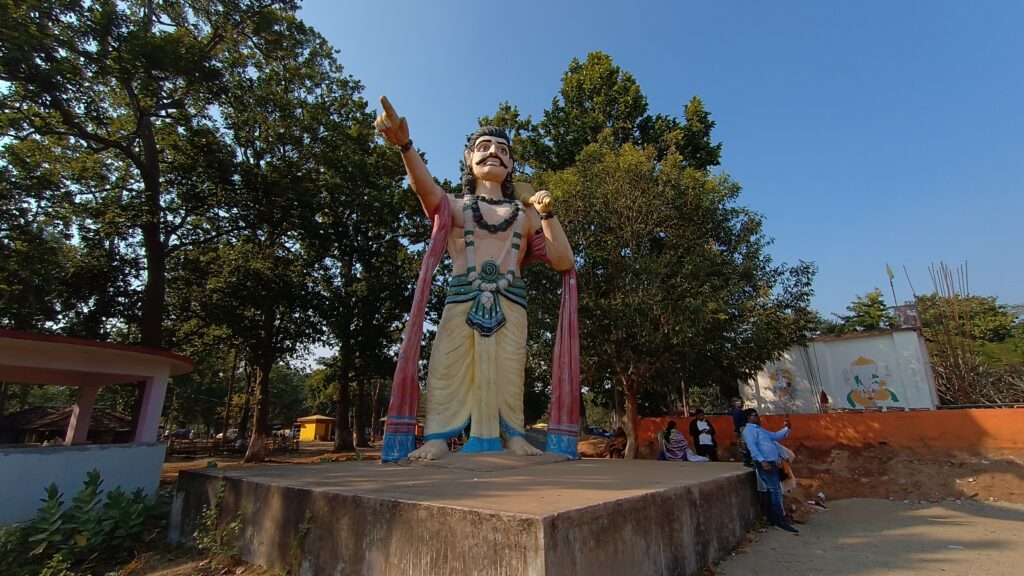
[(204, 176), (676, 284)]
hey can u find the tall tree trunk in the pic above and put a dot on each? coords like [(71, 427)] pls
[(342, 418), (632, 419), (360, 416), (155, 291), (231, 389), (250, 385), (374, 408), (4, 387), (257, 451), (618, 407), (23, 391), (343, 426), (686, 404), (584, 425)]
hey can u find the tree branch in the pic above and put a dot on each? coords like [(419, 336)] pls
[(70, 119)]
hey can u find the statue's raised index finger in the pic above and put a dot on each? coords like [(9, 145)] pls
[(389, 110)]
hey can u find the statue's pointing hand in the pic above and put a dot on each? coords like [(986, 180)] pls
[(392, 126)]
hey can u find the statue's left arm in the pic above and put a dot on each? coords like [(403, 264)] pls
[(559, 253)]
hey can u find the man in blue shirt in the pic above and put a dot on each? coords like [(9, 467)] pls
[(767, 459)]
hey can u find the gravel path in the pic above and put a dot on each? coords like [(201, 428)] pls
[(861, 537)]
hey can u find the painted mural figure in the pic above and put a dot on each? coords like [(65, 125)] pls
[(782, 381), (868, 384), (477, 364)]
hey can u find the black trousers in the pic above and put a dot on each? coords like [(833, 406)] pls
[(709, 452)]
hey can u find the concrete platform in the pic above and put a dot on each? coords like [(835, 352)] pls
[(479, 514)]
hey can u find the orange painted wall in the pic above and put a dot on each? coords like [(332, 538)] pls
[(931, 429)]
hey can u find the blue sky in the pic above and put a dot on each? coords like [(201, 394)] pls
[(865, 131)]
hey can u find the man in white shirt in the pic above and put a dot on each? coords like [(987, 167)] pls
[(704, 436)]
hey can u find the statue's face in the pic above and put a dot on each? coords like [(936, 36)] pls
[(490, 158)]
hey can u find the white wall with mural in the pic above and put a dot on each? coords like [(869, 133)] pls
[(883, 369)]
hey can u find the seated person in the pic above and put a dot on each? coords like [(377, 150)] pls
[(675, 447)]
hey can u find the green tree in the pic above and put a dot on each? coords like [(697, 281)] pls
[(320, 390), (64, 268), (283, 104), (367, 271), (976, 317), (867, 312), (976, 347), (115, 77), (287, 394), (675, 281), (597, 97), (694, 138), (599, 101), (675, 284)]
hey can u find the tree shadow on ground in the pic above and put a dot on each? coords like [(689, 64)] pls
[(861, 537)]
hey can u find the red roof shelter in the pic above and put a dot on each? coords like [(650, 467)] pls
[(29, 358)]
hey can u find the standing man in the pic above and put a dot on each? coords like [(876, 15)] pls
[(739, 420), (704, 436), (477, 364), (767, 462)]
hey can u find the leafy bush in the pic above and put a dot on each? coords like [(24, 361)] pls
[(89, 536), (219, 542)]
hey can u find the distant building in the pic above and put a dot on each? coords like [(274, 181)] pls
[(37, 424), (882, 369), (315, 427)]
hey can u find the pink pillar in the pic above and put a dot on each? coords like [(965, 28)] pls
[(81, 414), (150, 408)]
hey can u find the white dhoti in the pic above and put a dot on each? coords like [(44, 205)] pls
[(477, 379)]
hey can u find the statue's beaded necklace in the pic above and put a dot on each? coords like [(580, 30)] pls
[(495, 201), (478, 217), (487, 279)]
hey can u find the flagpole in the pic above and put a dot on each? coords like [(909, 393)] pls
[(891, 274)]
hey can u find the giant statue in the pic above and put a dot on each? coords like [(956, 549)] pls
[(478, 360)]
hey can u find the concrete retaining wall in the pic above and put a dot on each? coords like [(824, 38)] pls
[(677, 529), (25, 473), (926, 429)]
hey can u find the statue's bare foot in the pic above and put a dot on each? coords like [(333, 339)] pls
[(520, 447), (431, 450)]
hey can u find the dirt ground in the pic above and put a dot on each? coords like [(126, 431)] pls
[(887, 473), (309, 453), (868, 537), (904, 476)]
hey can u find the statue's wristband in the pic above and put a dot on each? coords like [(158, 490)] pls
[(405, 147), (547, 215)]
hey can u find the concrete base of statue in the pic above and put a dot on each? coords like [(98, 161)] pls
[(485, 514)]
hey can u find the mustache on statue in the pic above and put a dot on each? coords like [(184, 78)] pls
[(496, 157)]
